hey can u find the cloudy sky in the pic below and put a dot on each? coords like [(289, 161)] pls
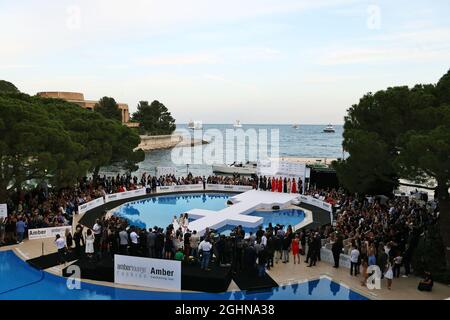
[(260, 61)]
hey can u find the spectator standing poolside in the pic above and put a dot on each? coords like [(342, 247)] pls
[(20, 229)]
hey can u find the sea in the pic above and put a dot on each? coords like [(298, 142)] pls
[(272, 140)]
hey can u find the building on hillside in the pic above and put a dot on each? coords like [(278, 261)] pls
[(78, 98)]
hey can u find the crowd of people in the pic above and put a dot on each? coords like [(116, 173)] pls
[(371, 231), (243, 251), (377, 231), (45, 207)]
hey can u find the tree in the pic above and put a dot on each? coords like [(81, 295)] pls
[(109, 108), (57, 141), (7, 87), (154, 119), (425, 154), (33, 145), (401, 133)]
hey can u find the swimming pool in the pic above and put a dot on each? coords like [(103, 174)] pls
[(159, 210), (20, 281)]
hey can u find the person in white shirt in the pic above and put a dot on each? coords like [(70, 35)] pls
[(134, 237), (205, 247), (194, 243), (264, 240), (97, 228), (354, 260), (61, 246)]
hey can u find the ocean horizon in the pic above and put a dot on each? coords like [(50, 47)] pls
[(307, 141)]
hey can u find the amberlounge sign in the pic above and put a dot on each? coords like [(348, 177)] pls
[(147, 272)]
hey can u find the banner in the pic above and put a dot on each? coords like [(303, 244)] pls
[(178, 188), (3, 210), (327, 256), (316, 202), (90, 205), (125, 195), (43, 233), (226, 187), (147, 272), (164, 171)]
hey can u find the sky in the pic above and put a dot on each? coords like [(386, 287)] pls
[(259, 61)]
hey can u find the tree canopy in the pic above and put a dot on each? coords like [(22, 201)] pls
[(109, 108), (57, 141), (154, 118), (398, 133), (7, 87)]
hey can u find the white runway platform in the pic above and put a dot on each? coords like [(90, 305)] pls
[(236, 214)]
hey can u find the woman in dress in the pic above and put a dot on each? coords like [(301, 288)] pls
[(289, 185), (389, 275), (295, 245), (294, 186), (168, 246), (69, 240), (185, 222), (280, 185), (274, 184), (269, 184), (175, 222), (89, 243)]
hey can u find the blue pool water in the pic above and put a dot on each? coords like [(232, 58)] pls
[(160, 210), (18, 280)]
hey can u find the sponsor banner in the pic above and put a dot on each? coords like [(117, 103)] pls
[(178, 188), (125, 195), (43, 233), (226, 187), (3, 210), (147, 272), (327, 256), (91, 205), (164, 171), (316, 202)]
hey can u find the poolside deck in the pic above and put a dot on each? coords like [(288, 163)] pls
[(283, 274)]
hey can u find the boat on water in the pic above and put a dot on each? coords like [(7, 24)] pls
[(247, 168), (295, 126), (237, 124), (329, 129), (195, 125)]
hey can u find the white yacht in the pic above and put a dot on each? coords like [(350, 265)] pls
[(195, 125), (329, 129), (248, 168), (237, 124)]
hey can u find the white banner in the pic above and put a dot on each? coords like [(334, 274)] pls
[(327, 256), (3, 210), (147, 272), (164, 171), (184, 187), (316, 202), (47, 232), (282, 168), (226, 187), (125, 195), (90, 205)]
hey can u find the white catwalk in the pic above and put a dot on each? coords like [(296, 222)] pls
[(236, 214)]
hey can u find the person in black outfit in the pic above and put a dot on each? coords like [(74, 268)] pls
[(315, 248), (220, 249), (79, 240), (270, 250), (336, 249), (310, 247), (262, 260), (427, 283), (249, 258)]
